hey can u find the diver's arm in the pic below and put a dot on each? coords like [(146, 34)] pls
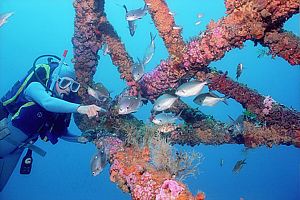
[(36, 92)]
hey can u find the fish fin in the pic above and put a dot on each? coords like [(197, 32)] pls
[(152, 37), (179, 114), (208, 82), (171, 92), (139, 61), (125, 8), (213, 94), (225, 101), (145, 7), (231, 118), (142, 98)]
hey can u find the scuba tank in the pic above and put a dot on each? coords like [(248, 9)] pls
[(38, 73)]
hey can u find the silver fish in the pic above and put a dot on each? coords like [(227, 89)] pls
[(172, 13), (190, 88), (129, 104), (105, 49), (239, 70), (135, 14), (238, 166), (221, 162), (98, 161), (102, 89), (209, 99), (165, 118), (200, 15), (237, 126), (197, 23), (100, 92), (176, 27), (4, 18), (132, 27), (137, 70), (164, 102), (150, 50)]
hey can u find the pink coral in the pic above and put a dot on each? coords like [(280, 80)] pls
[(146, 190), (170, 189), (268, 101), (111, 144)]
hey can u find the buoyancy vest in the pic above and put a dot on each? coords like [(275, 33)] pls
[(29, 116)]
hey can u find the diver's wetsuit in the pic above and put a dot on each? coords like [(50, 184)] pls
[(9, 153)]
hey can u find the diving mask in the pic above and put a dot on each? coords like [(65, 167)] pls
[(66, 82)]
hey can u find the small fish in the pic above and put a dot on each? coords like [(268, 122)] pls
[(164, 102), (102, 89), (105, 49), (167, 128), (190, 88), (4, 18), (172, 13), (239, 70), (209, 99), (129, 104), (177, 28), (197, 23), (137, 70), (221, 162), (132, 27), (139, 13), (150, 50), (237, 126), (200, 15), (98, 161), (238, 166), (165, 118), (100, 93)]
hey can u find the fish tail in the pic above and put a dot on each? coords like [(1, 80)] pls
[(207, 82), (231, 118), (145, 7), (179, 114), (152, 37), (225, 100)]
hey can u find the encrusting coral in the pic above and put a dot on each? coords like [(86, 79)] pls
[(256, 20)]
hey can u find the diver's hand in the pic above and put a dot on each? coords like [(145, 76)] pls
[(90, 110)]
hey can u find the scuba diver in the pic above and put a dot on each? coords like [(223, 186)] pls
[(39, 105)]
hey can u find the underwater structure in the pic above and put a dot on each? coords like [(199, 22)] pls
[(266, 122)]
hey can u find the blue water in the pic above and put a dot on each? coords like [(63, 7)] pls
[(46, 27)]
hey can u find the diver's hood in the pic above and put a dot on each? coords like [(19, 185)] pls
[(64, 71)]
